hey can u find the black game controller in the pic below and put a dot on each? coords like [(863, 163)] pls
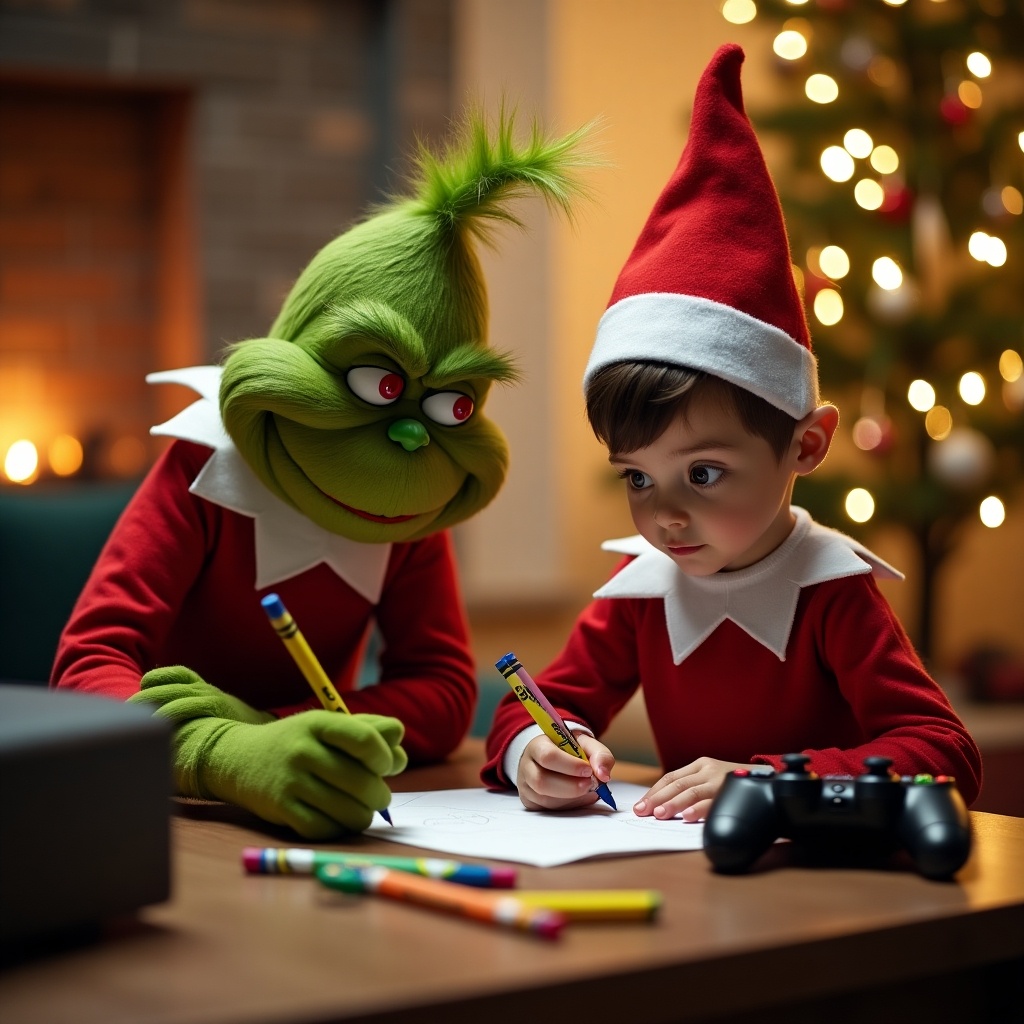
[(839, 817)]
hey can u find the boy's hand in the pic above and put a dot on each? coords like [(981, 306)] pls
[(319, 772), (549, 779), (688, 790)]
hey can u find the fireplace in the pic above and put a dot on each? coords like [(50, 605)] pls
[(97, 274)]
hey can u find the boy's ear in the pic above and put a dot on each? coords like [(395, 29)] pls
[(812, 437)]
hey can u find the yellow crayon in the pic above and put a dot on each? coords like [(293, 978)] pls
[(544, 714), (285, 627), (595, 904)]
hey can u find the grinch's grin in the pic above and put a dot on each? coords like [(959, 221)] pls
[(369, 515)]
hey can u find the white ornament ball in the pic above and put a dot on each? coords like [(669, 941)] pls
[(963, 460), (894, 306)]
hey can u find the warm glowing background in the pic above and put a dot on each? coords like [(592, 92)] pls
[(228, 225)]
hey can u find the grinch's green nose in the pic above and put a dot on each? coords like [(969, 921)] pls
[(410, 434)]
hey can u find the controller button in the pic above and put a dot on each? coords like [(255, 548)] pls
[(837, 787), (837, 800), (944, 778), (923, 780), (741, 772)]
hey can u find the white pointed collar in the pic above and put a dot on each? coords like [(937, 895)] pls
[(287, 542), (760, 599)]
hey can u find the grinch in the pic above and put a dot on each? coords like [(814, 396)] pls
[(325, 463)]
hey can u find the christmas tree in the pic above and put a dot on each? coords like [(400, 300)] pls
[(903, 122)]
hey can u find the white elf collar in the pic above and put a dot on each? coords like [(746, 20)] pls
[(287, 542), (760, 599)]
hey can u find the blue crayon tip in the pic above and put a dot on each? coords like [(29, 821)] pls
[(606, 795), (273, 606), (506, 663)]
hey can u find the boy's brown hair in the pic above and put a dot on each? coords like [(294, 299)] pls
[(630, 404)]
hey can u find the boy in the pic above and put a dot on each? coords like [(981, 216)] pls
[(754, 631)]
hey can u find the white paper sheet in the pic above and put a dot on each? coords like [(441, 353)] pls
[(479, 823)]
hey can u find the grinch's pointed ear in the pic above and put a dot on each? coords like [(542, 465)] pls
[(474, 181)]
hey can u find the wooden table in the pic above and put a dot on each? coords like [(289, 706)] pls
[(782, 944)]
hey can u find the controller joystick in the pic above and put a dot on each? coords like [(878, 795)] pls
[(796, 764), (877, 767), (864, 818)]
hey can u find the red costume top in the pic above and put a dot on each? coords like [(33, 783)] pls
[(799, 653), (178, 583)]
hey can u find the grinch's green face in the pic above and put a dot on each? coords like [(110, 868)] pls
[(361, 430), (363, 407)]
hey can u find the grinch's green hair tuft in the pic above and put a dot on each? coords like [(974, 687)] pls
[(472, 183)]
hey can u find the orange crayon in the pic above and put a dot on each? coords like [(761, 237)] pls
[(448, 897)]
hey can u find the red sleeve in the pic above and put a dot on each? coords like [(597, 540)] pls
[(140, 579), (902, 711), (428, 673), (588, 683)]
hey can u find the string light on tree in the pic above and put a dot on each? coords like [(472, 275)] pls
[(895, 298), (938, 422), (821, 88), (858, 143), (886, 273), (999, 203), (970, 95), (1011, 366), (868, 194), (986, 248), (834, 262), (978, 64), (921, 395), (972, 388), (860, 505), (790, 44), (837, 163), (828, 307), (739, 12), (1011, 369), (884, 159), (992, 512)]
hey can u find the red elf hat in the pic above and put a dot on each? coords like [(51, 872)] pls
[(709, 285)]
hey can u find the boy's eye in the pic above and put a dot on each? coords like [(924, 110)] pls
[(375, 385), (637, 480), (449, 408), (705, 476)]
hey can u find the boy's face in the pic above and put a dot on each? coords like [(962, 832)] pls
[(707, 493)]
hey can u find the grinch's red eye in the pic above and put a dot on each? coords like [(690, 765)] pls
[(375, 385), (449, 408)]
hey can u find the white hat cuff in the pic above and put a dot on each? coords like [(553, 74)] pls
[(700, 334)]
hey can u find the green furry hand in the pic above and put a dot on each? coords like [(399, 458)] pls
[(180, 695), (319, 772)]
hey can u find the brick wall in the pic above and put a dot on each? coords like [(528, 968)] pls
[(206, 150), (78, 234)]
